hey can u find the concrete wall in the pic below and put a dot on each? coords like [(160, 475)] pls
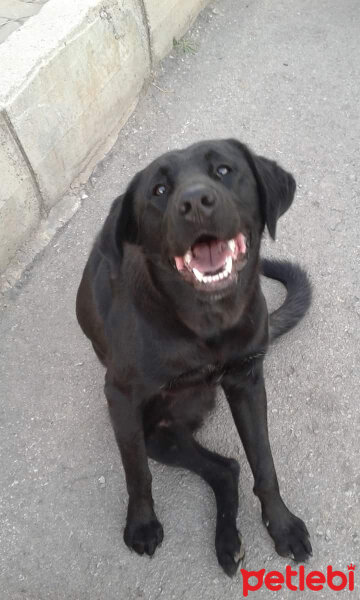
[(69, 80), (169, 19), (19, 204)]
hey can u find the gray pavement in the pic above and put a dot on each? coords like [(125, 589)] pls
[(283, 76)]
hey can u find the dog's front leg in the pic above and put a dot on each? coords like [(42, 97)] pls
[(143, 532), (246, 395)]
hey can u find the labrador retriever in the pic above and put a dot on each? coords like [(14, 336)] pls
[(171, 301)]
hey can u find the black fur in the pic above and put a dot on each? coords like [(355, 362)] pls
[(298, 296), (167, 343), (120, 226), (276, 187)]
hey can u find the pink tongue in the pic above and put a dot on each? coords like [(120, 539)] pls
[(209, 257)]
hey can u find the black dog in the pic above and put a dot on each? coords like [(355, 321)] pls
[(171, 300)]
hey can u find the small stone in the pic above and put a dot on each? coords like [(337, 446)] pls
[(102, 481), (328, 535)]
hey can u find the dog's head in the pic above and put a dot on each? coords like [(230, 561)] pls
[(200, 212)]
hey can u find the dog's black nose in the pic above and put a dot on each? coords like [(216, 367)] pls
[(197, 200)]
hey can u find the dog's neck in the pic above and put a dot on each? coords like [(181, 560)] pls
[(206, 316)]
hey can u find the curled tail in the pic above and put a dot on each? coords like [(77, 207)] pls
[(298, 297)]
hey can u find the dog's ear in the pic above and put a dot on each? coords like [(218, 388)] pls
[(120, 226), (276, 186)]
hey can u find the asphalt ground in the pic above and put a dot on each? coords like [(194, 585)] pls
[(283, 76)]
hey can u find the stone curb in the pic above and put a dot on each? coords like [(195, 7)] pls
[(69, 80)]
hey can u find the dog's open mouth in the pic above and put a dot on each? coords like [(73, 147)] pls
[(211, 263)]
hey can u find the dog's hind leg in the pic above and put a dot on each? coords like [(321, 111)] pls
[(174, 445)]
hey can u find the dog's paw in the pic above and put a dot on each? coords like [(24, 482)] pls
[(229, 549), (143, 537), (291, 537)]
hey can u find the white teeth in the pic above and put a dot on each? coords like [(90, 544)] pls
[(188, 257), (212, 278), (228, 265), (199, 276), (232, 245)]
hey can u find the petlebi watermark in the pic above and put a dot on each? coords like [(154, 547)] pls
[(298, 580)]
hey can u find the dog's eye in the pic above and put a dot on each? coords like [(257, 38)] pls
[(159, 190), (223, 170)]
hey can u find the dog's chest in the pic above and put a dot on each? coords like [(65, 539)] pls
[(209, 374), (176, 364), (212, 373)]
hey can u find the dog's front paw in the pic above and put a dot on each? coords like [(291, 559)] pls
[(229, 549), (291, 536), (143, 536)]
